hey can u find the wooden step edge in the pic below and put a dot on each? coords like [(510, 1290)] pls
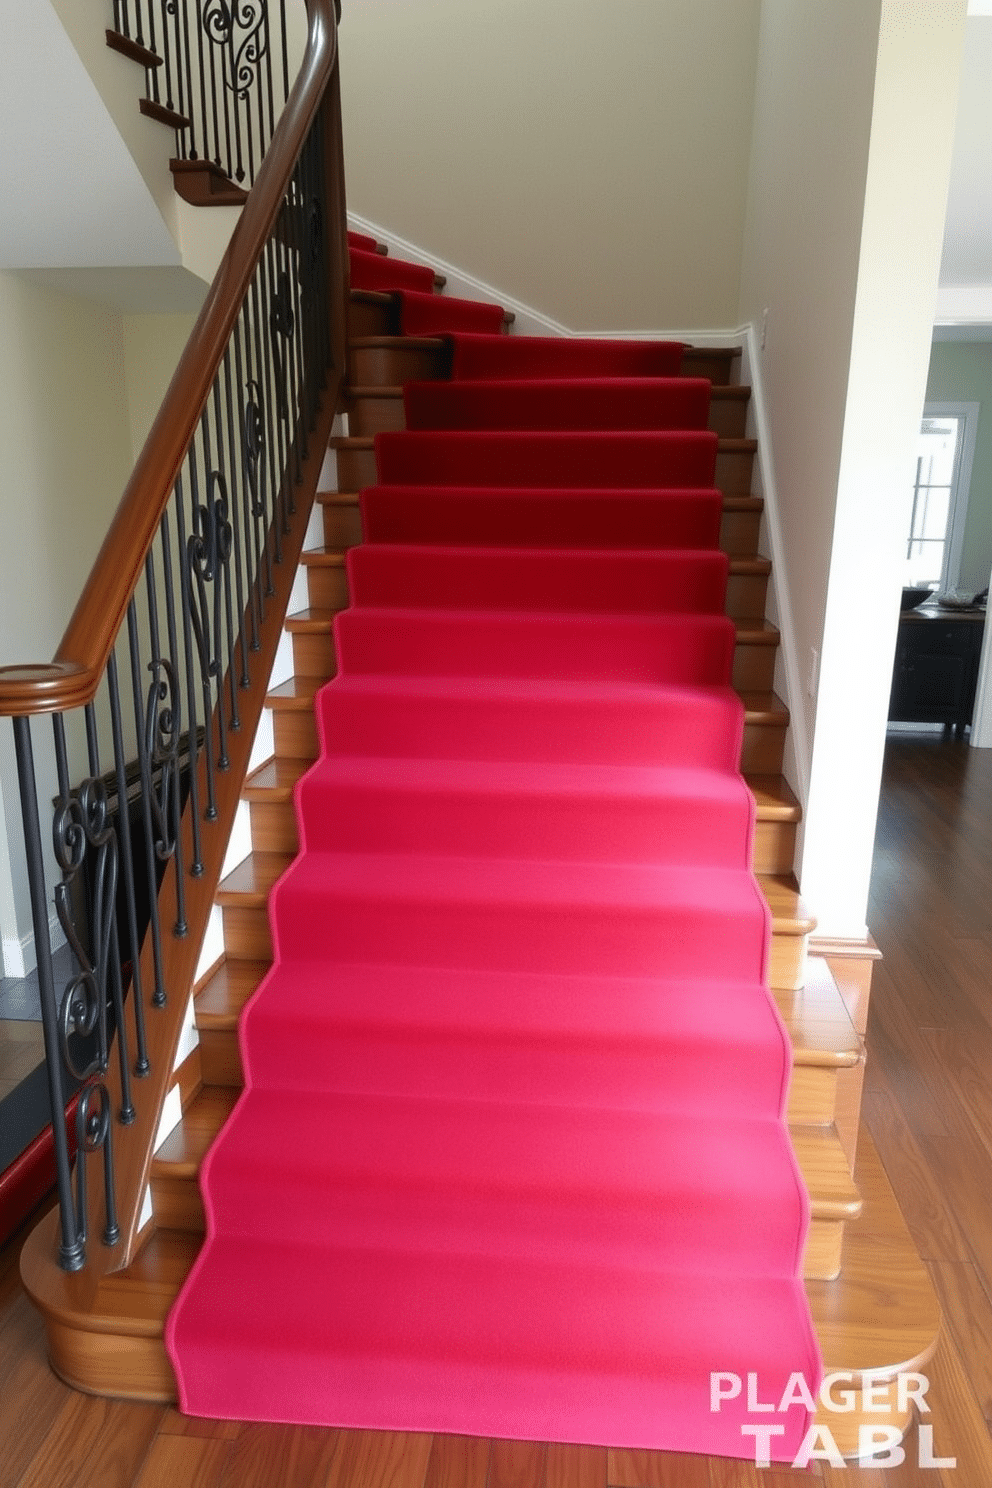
[(392, 343), (218, 1004), (314, 620), (184, 1149), (764, 708), (774, 798), (294, 696), (372, 297), (708, 353), (323, 557), (790, 913), (833, 1193), (730, 504), (132, 49), (249, 884), (163, 115), (359, 442), (736, 392), (754, 631), (350, 392), (261, 786)]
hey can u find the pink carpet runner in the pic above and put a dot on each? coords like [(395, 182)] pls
[(510, 1159)]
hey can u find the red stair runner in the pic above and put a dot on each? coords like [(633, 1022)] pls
[(511, 1157)]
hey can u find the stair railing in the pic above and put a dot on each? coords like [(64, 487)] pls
[(218, 71), (133, 743)]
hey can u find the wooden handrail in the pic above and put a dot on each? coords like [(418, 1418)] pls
[(72, 677)]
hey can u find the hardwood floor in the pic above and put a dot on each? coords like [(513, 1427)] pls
[(929, 1108)]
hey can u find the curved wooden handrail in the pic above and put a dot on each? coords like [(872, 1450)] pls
[(72, 677)]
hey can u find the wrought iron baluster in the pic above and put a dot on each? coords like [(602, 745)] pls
[(277, 401), (168, 734), (251, 434), (239, 519), (196, 866), (167, 53), (141, 1066), (106, 941), (208, 557), (264, 375), (204, 117), (72, 1250), (184, 51), (291, 258), (228, 464), (151, 877), (197, 548)]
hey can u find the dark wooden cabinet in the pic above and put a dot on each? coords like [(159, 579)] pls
[(936, 666)]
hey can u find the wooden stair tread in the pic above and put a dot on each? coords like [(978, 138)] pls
[(158, 111), (275, 779), (132, 49), (818, 1021), (730, 504), (774, 798), (757, 631), (323, 558), (764, 707), (314, 620), (185, 1148), (250, 882), (225, 992), (296, 695), (389, 343), (725, 444), (790, 914), (832, 1191)]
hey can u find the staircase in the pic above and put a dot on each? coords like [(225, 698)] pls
[(855, 1240)]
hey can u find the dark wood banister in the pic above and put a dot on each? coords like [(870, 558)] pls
[(72, 677)]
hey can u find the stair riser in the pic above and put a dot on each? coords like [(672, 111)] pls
[(342, 525), (391, 366), (379, 415), (746, 595), (295, 735), (357, 469), (274, 829), (179, 1206), (220, 1058), (328, 586), (313, 654), (812, 1091), (739, 531), (754, 667), (247, 937)]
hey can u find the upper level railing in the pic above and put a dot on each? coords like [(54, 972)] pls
[(132, 743), (217, 70)]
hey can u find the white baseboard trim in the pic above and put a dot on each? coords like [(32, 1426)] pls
[(527, 320), (19, 955)]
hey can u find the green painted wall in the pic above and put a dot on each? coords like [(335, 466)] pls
[(961, 371)]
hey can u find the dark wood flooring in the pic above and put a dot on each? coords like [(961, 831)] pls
[(928, 1104)]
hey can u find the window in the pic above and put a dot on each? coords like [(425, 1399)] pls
[(940, 495)]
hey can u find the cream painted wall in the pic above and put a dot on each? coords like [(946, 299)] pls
[(153, 345), (64, 458), (589, 161), (853, 135)]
